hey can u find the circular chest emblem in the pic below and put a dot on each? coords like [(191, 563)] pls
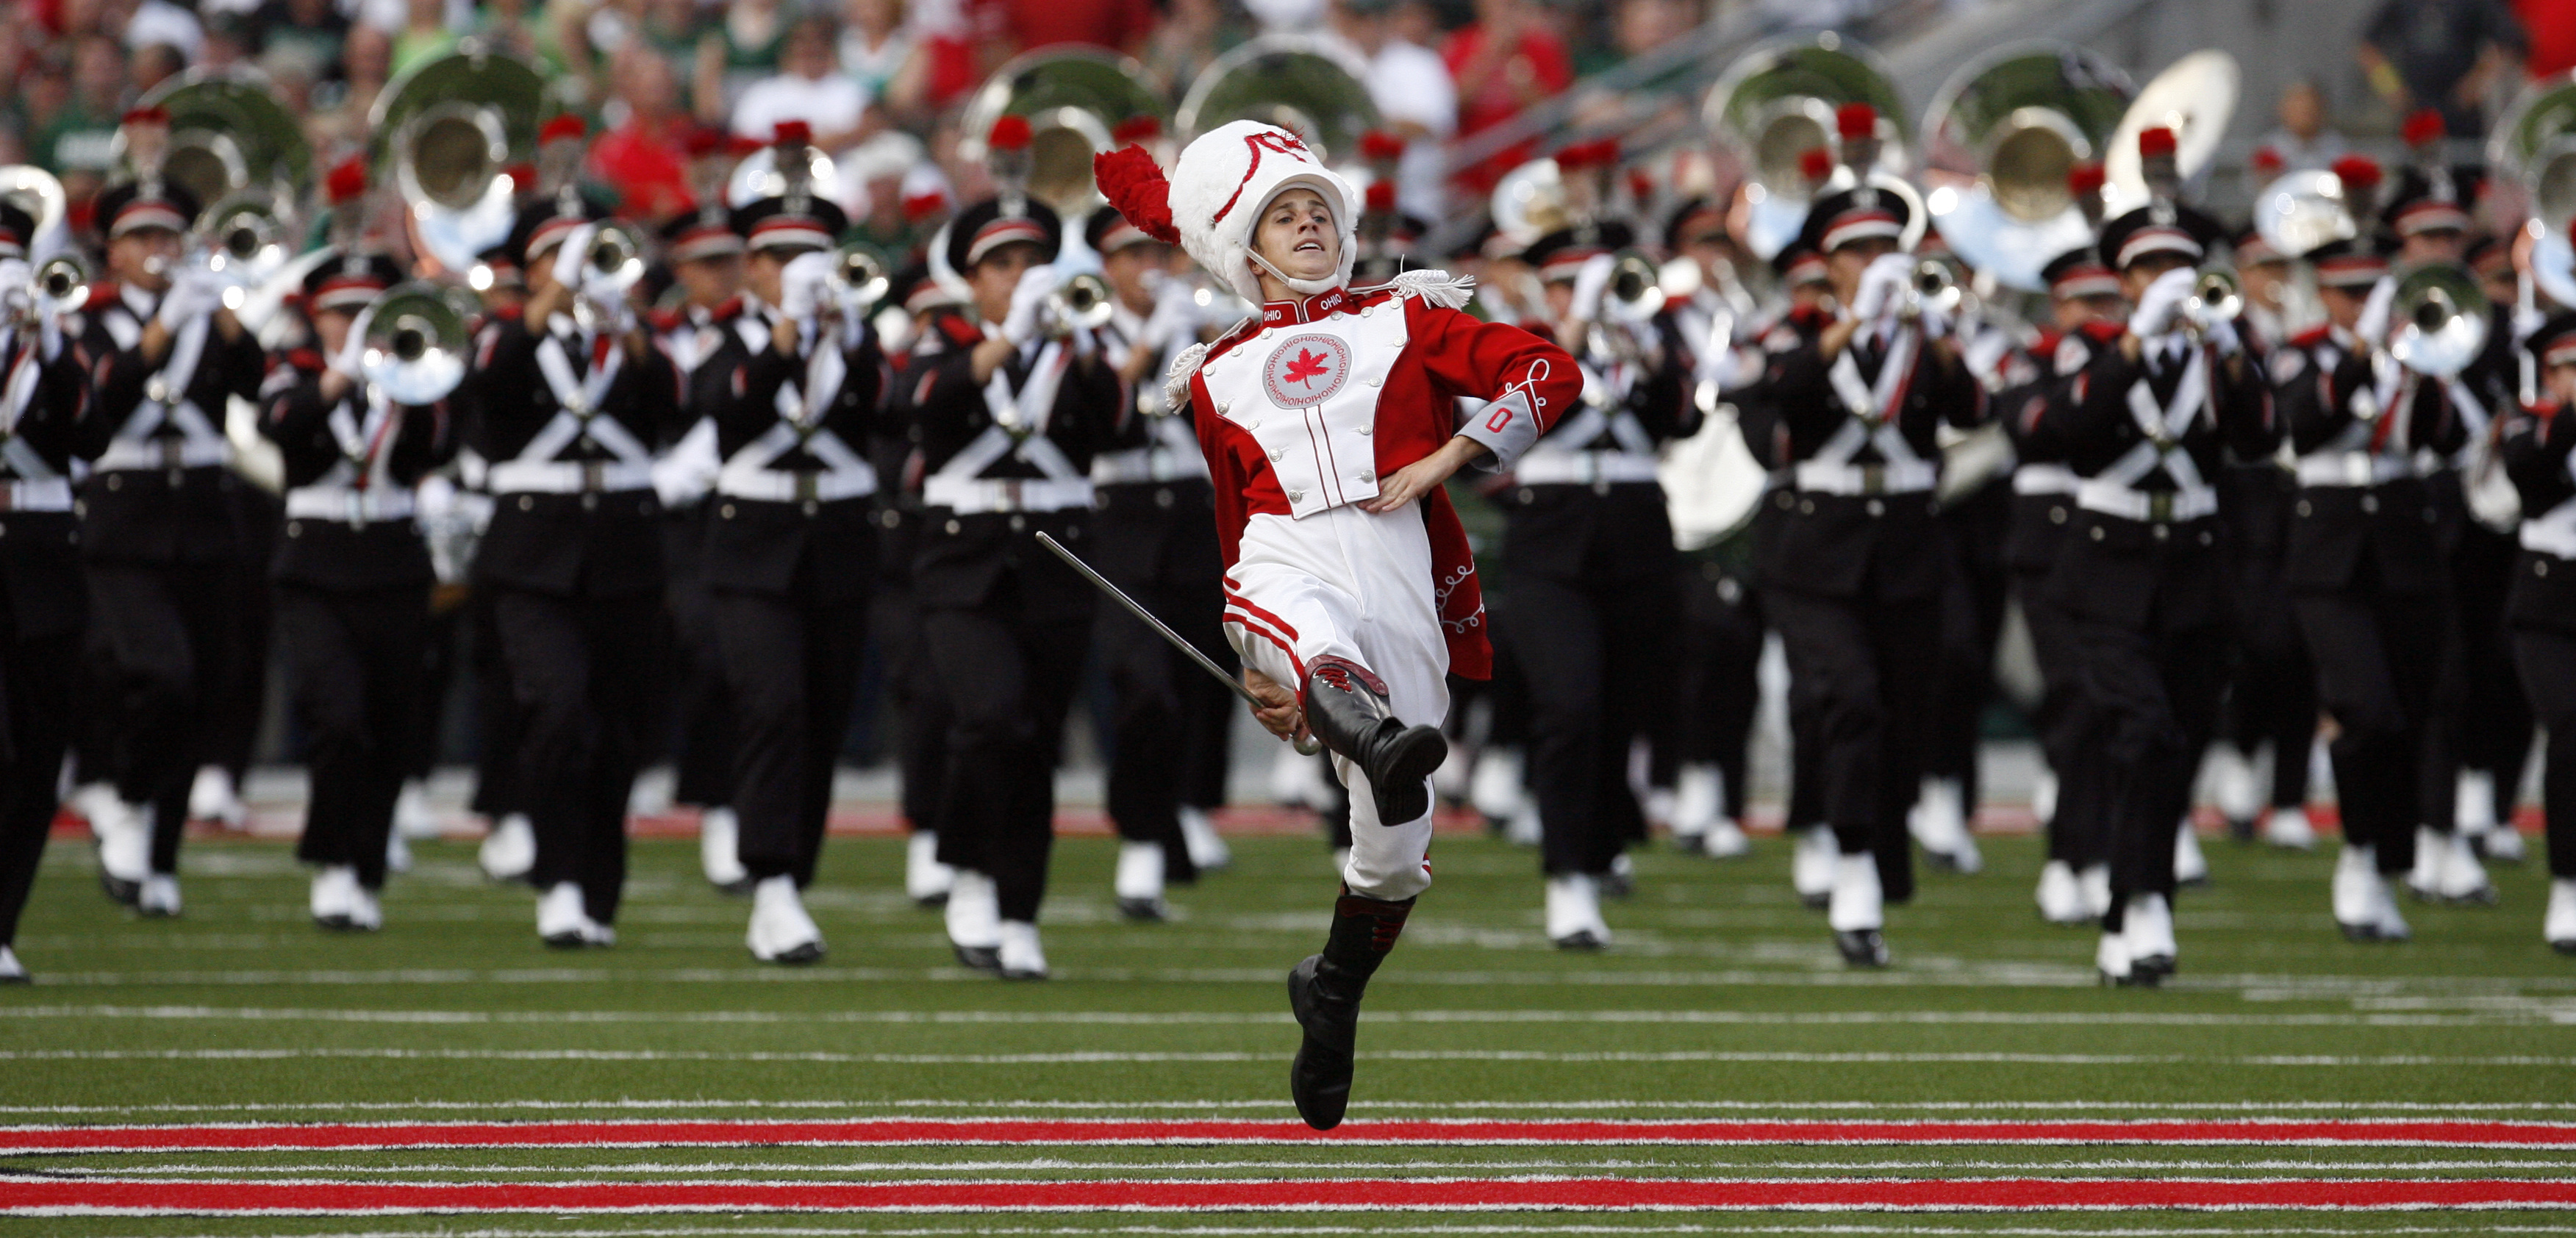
[(1306, 371)]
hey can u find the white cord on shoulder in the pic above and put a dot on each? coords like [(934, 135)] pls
[(1436, 287), (1176, 382)]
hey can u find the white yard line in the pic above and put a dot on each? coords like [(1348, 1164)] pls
[(1114, 1057), (1497, 1109), (2526, 1016)]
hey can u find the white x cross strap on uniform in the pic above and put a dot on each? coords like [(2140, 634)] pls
[(535, 470), (2365, 453), (802, 405), (139, 443), (1018, 432), (2553, 532), (1873, 423), (32, 485), (2114, 490), (357, 489)]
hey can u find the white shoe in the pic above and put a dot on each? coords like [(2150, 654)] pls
[(2095, 881), (1292, 780), (1525, 829), (2147, 924), (124, 834), (650, 794), (333, 888), (1699, 802), (2356, 873), (1657, 808), (780, 930), (2558, 928), (1811, 865), (2111, 961), (563, 920), (2473, 801), (1574, 913), (2460, 878), (510, 850), (2387, 923), (1138, 881), (2232, 786), (720, 850), (2190, 866), (974, 919), (1208, 851), (2043, 796), (212, 797), (413, 817), (925, 879), (2290, 829), (2424, 880), (1495, 791), (1725, 840), (1857, 902), (1939, 821), (2061, 896), (1449, 782), (397, 852), (159, 896), (366, 914), (11, 970), (2503, 844), (1022, 958)]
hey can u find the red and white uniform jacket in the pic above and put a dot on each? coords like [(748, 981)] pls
[(1304, 411)]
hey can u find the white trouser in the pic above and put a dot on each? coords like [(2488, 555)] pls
[(1349, 584)]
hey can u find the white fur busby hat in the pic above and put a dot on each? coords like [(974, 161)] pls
[(1217, 193)]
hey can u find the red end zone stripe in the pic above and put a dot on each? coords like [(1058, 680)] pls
[(906, 1131), (2006, 1194)]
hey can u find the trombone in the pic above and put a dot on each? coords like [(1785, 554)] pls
[(415, 344), (1082, 302)]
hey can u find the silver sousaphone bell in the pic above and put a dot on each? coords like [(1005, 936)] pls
[(416, 343), (2000, 138), (2438, 320), (1778, 101)]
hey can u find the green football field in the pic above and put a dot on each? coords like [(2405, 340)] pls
[(1719, 1064)]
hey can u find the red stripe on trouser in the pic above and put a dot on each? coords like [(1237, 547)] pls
[(1249, 624), (1275, 621), (2018, 1194), (1057, 1131)]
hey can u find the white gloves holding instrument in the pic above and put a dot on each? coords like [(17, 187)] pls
[(1882, 286), (2160, 307), (350, 361), (1027, 319), (801, 283)]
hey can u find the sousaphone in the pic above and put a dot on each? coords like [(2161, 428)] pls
[(2194, 97), (229, 135), (1999, 140), (448, 131), (1073, 99), (1307, 86), (2533, 150), (1778, 101)]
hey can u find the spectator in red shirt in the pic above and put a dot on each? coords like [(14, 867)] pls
[(1504, 62), (646, 154), (1121, 24)]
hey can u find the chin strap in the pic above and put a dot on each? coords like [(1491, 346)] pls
[(1302, 287)]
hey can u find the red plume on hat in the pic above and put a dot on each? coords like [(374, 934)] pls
[(1129, 178), (703, 141), (564, 128), (1856, 120), (1009, 133), (2425, 126), (2357, 172), (347, 180), (1815, 163), (154, 115), (2267, 161), (1600, 154), (792, 133), (1380, 146), (1139, 128), (2156, 143), (1381, 196), (2085, 178)]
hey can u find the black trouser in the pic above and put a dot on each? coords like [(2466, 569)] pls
[(1720, 689), (2153, 694), (2271, 687), (578, 667), (2485, 721), (354, 672), (441, 656), (1594, 653), (792, 671), (499, 724), (1009, 680), (921, 706), (1972, 624), (1166, 711), (1864, 667), (2547, 660), (232, 730), (169, 632), (705, 753), (2377, 655), (38, 676), (2077, 832)]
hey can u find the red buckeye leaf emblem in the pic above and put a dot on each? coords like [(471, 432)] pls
[(1307, 367)]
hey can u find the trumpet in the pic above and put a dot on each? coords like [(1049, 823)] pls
[(1081, 301), (2438, 321), (242, 242), (858, 280), (614, 264), (62, 282), (2215, 298), (415, 344), (1933, 290)]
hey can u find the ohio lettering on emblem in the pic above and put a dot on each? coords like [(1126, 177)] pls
[(1306, 371)]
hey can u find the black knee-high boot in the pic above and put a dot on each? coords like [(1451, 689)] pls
[(1324, 993), (1346, 707)]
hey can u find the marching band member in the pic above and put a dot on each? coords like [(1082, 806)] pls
[(706, 260), (2142, 424), (2085, 304), (1007, 409), (159, 536), (509, 850), (1853, 567), (2365, 572), (791, 551), (571, 394), (921, 741), (352, 576), (1589, 602), (2542, 608), (42, 388), (1153, 533), (1329, 425)]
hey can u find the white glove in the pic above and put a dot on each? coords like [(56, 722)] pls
[(193, 294), (1028, 305), (2222, 336), (1176, 314), (573, 254), (2155, 313), (1590, 281), (2527, 321), (350, 361), (2373, 324), (605, 296), (16, 279), (1882, 286), (436, 497), (801, 283)]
